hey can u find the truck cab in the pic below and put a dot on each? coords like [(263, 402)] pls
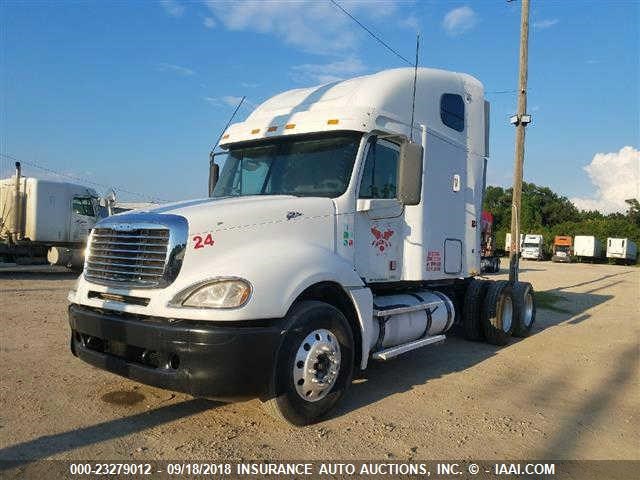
[(562, 249), (337, 233), (533, 247)]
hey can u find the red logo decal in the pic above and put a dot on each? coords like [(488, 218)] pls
[(381, 239)]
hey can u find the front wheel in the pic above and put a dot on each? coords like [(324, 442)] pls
[(314, 365)]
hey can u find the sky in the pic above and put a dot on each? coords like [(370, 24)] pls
[(134, 94)]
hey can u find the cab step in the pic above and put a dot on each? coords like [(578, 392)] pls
[(391, 352)]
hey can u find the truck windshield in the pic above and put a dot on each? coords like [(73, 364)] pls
[(531, 245), (311, 166)]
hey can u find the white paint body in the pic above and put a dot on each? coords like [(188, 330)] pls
[(533, 247), (436, 240), (621, 248), (587, 246)]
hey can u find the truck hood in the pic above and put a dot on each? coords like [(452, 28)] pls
[(230, 213)]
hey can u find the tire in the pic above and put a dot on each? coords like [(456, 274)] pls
[(316, 330), (497, 313), (472, 309), (524, 309)]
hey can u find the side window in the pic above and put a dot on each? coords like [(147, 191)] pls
[(83, 206), (379, 179), (452, 111)]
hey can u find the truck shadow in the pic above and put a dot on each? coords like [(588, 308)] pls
[(48, 445), (418, 367)]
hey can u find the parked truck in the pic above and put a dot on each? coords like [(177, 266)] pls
[(533, 247), (622, 250), (562, 249), (489, 261), (507, 242), (339, 232), (587, 247), (43, 218)]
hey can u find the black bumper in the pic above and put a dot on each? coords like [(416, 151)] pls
[(204, 359)]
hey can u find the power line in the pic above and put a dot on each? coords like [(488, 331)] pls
[(80, 179), (376, 37)]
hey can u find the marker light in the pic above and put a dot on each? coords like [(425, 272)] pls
[(289, 126), (333, 121)]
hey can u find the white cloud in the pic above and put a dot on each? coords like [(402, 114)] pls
[(170, 67), (209, 22), (411, 22), (546, 23), (311, 25), (616, 177), (172, 7), (459, 20), (228, 100), (327, 72)]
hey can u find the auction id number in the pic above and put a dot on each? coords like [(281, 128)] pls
[(110, 469)]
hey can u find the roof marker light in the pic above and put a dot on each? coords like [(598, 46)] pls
[(272, 128), (225, 136), (255, 130), (289, 126), (333, 121)]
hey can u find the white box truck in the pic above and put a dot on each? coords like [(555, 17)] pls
[(587, 247), (622, 249), (533, 247), (44, 217), (338, 233), (507, 242)]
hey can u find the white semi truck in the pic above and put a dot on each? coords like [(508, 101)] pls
[(533, 247), (339, 232), (41, 218)]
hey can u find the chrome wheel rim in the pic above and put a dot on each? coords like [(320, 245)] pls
[(528, 309), (506, 313), (316, 365)]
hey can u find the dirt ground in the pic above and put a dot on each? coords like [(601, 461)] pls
[(569, 391)]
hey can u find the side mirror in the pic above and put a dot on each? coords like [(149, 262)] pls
[(410, 173), (214, 173)]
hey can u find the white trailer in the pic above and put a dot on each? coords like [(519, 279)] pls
[(533, 247), (43, 217), (507, 242), (587, 247), (622, 249), (338, 233)]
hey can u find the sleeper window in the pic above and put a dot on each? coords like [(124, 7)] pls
[(452, 111)]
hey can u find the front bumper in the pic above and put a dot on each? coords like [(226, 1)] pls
[(557, 258), (204, 359)]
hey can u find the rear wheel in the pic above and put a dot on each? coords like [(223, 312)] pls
[(497, 313), (314, 366), (472, 309), (524, 309)]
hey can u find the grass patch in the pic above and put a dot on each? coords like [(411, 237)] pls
[(548, 300)]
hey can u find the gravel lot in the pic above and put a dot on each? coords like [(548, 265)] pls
[(570, 391)]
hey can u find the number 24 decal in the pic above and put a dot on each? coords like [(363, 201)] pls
[(199, 242)]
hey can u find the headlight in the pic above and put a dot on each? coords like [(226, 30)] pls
[(229, 293)]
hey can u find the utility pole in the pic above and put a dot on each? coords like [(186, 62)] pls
[(520, 120)]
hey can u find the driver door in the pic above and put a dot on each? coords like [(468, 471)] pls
[(379, 216)]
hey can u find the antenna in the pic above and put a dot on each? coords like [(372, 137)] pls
[(415, 79), (228, 123)]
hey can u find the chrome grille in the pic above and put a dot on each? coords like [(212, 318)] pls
[(135, 257)]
